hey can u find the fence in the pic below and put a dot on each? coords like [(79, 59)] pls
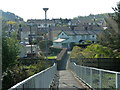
[(43, 79), (102, 63), (96, 78)]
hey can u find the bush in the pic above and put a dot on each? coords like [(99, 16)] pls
[(97, 51), (55, 51), (76, 52), (94, 51), (42, 44), (21, 72), (10, 52)]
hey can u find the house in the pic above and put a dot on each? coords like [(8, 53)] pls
[(26, 49), (67, 37), (26, 38), (41, 22)]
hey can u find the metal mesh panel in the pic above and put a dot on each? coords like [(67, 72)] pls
[(118, 81), (95, 78), (88, 75), (108, 80)]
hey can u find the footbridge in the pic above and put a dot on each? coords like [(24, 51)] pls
[(69, 75)]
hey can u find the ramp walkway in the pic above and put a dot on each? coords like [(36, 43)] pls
[(67, 79)]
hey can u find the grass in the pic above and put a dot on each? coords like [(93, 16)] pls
[(52, 57), (108, 80)]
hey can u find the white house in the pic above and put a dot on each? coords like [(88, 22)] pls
[(27, 49), (67, 37)]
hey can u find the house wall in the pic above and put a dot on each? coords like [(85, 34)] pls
[(43, 24), (27, 49), (73, 39), (22, 51), (57, 44), (24, 35), (77, 38), (62, 35)]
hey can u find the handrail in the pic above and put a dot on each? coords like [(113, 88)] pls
[(96, 78), (42, 79), (99, 69)]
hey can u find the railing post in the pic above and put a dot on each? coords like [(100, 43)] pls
[(117, 81), (100, 79), (91, 74), (85, 74), (81, 72)]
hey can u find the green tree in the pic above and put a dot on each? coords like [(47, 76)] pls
[(111, 36), (10, 52), (42, 44), (116, 17), (76, 53), (97, 51)]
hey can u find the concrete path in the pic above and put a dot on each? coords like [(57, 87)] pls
[(67, 80)]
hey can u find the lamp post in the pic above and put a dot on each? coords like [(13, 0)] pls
[(45, 9)]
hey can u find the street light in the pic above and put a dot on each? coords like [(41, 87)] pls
[(45, 9)]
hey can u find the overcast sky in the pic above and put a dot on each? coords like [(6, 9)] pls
[(28, 9)]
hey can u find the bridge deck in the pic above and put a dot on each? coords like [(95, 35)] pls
[(68, 80)]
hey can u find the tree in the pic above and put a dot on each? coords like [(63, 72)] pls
[(111, 36), (117, 13), (11, 22), (76, 53), (10, 52), (42, 44), (97, 51)]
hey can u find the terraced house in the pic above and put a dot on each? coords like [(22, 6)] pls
[(67, 37)]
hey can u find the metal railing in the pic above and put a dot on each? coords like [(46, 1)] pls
[(43, 79), (96, 78)]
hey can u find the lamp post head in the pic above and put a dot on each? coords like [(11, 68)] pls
[(45, 9)]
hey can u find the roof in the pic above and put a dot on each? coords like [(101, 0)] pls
[(27, 28), (69, 32), (41, 21), (81, 32), (59, 40)]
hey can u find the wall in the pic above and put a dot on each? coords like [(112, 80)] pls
[(56, 44), (27, 49), (61, 59)]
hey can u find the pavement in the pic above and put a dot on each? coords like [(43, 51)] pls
[(67, 79)]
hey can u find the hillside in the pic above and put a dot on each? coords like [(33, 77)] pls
[(10, 16)]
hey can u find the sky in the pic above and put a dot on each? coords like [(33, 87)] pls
[(33, 9)]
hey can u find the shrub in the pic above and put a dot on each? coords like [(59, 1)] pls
[(97, 51), (76, 52), (18, 73)]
